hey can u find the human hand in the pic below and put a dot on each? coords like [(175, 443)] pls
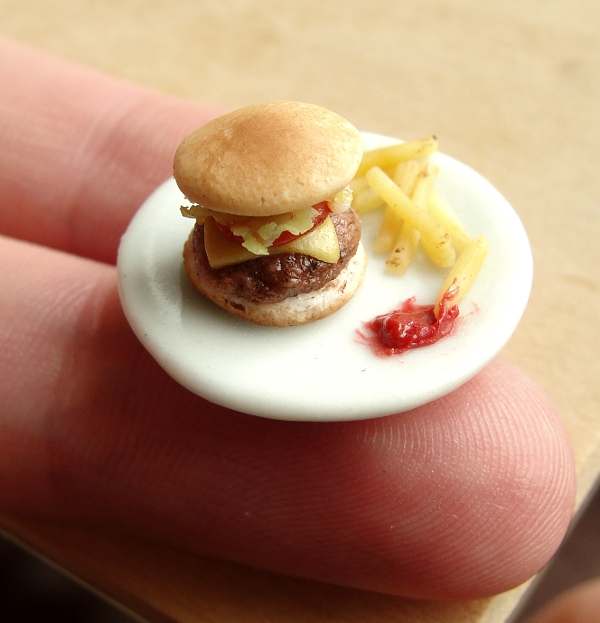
[(463, 497), (581, 604)]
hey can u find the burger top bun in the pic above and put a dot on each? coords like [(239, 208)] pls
[(267, 159)]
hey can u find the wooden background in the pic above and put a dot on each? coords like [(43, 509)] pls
[(511, 88)]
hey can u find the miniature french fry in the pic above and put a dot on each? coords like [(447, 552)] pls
[(391, 155), (435, 240), (408, 240), (442, 213), (366, 200), (388, 231), (358, 183), (464, 271), (404, 250), (405, 176)]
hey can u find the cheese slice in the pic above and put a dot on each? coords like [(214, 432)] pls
[(258, 232), (321, 243)]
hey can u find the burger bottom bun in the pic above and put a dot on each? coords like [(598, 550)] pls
[(295, 310)]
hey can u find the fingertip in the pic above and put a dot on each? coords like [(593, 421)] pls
[(463, 498), (509, 486)]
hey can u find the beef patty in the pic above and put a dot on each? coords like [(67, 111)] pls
[(272, 278)]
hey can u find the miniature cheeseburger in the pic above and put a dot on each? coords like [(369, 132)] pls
[(275, 241)]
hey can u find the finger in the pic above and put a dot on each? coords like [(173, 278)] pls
[(463, 497), (578, 605), (80, 150)]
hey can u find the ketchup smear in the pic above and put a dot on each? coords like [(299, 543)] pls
[(411, 325)]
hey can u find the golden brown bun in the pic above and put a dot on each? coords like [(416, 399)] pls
[(268, 159), (296, 310)]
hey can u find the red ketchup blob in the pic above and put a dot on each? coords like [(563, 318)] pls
[(411, 325)]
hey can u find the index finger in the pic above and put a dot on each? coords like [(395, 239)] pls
[(461, 498), (81, 150)]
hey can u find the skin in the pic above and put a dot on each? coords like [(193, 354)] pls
[(578, 605), (465, 497)]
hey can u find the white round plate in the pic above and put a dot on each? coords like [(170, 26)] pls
[(321, 371)]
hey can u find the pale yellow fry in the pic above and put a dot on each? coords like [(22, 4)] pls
[(391, 155), (443, 214), (405, 176), (389, 231), (366, 200), (464, 271), (403, 250), (435, 240), (408, 241), (424, 186), (358, 184)]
